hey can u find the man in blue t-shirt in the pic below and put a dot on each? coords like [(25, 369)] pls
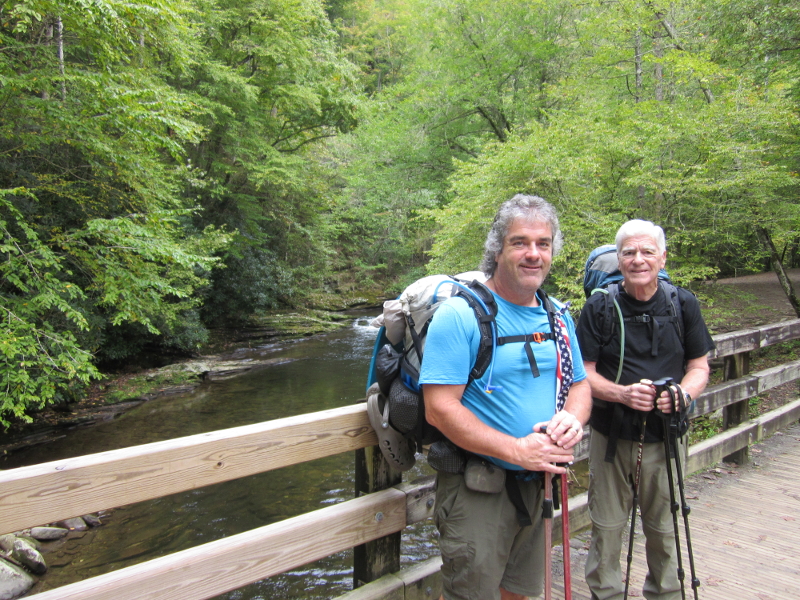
[(525, 414)]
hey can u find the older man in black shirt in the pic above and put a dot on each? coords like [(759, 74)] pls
[(660, 341)]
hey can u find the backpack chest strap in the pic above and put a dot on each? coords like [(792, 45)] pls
[(537, 337), (656, 323)]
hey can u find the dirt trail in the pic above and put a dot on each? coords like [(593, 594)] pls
[(758, 299)]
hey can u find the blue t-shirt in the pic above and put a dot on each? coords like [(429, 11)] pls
[(451, 348)]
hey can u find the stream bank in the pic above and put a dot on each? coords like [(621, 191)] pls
[(320, 372), (126, 388)]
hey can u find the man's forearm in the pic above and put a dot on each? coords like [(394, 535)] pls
[(579, 401), (443, 410), (603, 388), (535, 452), (695, 379)]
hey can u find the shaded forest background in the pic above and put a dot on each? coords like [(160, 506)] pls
[(169, 166)]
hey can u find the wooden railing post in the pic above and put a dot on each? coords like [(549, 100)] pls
[(735, 366), (382, 556)]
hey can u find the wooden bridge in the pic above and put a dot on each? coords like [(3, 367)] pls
[(745, 530), (746, 546)]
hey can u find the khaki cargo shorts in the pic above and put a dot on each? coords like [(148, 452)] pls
[(482, 544)]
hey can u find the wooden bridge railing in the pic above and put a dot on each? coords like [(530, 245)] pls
[(57, 490)]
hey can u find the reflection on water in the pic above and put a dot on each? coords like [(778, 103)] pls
[(325, 372)]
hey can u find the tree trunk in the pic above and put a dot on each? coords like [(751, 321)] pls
[(766, 241), (60, 39), (658, 68), (48, 34), (637, 59)]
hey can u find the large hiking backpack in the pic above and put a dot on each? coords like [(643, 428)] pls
[(396, 406), (397, 413)]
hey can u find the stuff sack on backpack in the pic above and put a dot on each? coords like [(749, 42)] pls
[(398, 351)]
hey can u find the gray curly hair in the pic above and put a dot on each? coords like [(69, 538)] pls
[(527, 208)]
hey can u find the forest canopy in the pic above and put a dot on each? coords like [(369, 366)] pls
[(169, 166)]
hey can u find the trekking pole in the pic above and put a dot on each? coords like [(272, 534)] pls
[(565, 536), (635, 502), (685, 509), (547, 515), (662, 384), (674, 507)]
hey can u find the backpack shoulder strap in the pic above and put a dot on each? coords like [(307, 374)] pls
[(611, 310), (549, 308), (482, 302), (537, 337), (675, 306)]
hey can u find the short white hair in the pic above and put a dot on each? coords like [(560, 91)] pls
[(636, 227)]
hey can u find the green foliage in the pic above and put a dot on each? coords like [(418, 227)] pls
[(135, 270), (471, 72), (706, 166), (253, 281), (374, 35), (138, 266), (275, 85), (95, 236), (704, 427), (38, 359)]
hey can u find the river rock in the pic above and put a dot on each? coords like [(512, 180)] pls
[(46, 534), (25, 552), (92, 520), (7, 542), (73, 524), (212, 368), (13, 581)]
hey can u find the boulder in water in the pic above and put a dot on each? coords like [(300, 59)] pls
[(13, 581), (73, 524), (92, 520), (28, 556), (46, 534)]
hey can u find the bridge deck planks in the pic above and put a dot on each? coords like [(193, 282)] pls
[(745, 536)]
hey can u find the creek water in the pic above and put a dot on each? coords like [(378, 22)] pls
[(319, 373)]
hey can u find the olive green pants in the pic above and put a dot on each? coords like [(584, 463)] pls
[(482, 543), (610, 504)]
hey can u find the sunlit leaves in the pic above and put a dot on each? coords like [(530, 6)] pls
[(137, 269), (141, 267), (37, 357), (690, 145)]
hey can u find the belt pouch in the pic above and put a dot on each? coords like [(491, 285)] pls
[(445, 456), (480, 475)]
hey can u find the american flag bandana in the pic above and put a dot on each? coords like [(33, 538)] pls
[(564, 371)]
